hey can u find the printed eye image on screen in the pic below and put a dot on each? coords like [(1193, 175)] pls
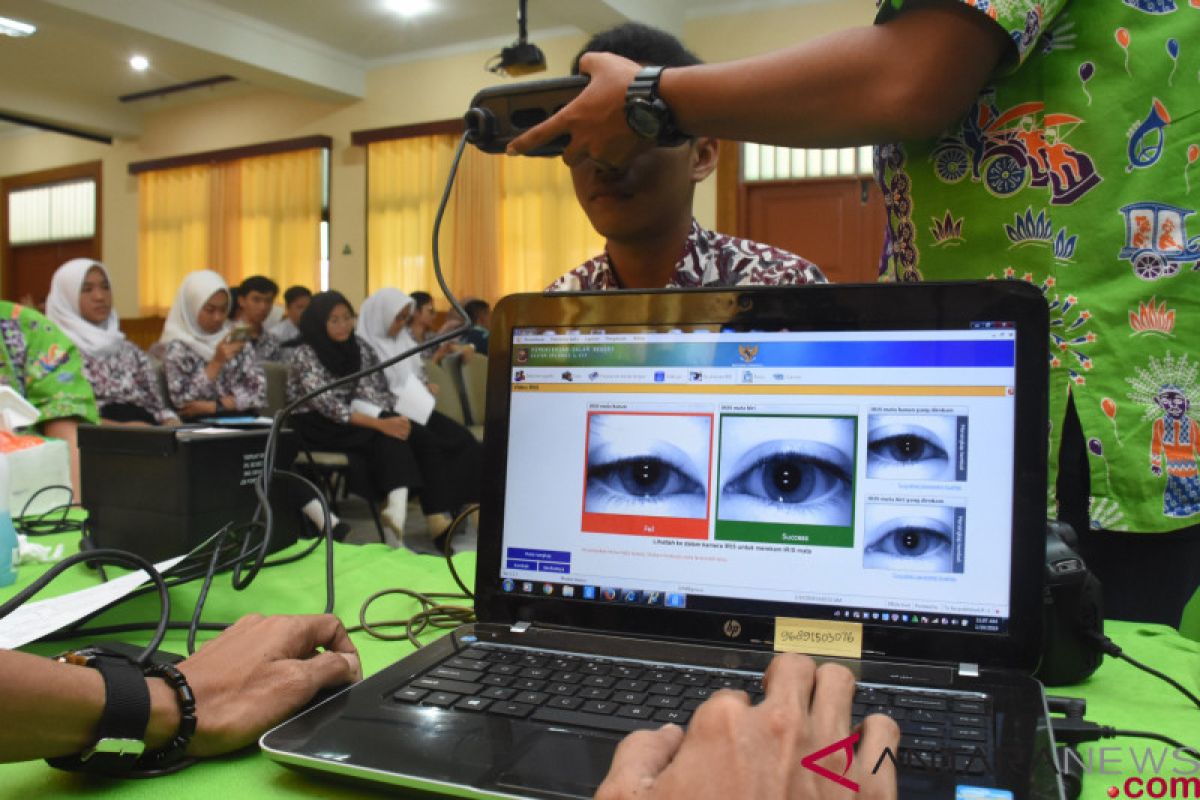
[(923, 447), (919, 538), (786, 479), (648, 473)]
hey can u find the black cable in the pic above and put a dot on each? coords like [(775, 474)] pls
[(113, 557), (1113, 649), (447, 551), (127, 627), (1158, 737), (39, 524)]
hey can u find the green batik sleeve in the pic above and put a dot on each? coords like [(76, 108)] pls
[(1022, 20), (54, 379)]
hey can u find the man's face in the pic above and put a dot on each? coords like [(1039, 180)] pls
[(296, 308), (652, 193), (255, 306)]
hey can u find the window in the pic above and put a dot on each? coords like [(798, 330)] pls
[(52, 213), (764, 162)]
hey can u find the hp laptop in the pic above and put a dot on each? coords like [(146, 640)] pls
[(681, 483)]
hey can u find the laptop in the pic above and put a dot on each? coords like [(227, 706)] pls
[(682, 483)]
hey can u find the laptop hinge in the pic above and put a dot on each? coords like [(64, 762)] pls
[(968, 670), (520, 627)]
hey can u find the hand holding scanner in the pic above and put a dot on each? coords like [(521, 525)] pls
[(500, 114)]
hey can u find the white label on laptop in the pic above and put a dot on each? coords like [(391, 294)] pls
[(818, 637)]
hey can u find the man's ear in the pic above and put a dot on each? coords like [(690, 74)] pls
[(705, 150)]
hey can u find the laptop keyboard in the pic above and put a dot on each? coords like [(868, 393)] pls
[(941, 731)]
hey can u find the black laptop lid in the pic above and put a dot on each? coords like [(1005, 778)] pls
[(698, 464)]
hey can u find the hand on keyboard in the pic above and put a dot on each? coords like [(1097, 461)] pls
[(734, 749)]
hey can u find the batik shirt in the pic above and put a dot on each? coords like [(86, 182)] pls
[(124, 374), (42, 365), (268, 348), (1071, 172), (708, 259), (241, 377), (306, 373)]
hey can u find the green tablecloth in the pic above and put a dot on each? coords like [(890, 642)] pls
[(1117, 695)]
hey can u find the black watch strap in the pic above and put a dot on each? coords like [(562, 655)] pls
[(642, 99), (120, 736)]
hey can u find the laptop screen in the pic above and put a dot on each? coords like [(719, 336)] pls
[(854, 475)]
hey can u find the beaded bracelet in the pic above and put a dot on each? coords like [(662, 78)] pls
[(172, 757)]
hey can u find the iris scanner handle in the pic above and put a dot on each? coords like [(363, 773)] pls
[(500, 114)]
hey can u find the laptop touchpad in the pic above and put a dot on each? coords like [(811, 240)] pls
[(558, 762)]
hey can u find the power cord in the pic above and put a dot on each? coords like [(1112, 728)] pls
[(1072, 730), (432, 614), (41, 524), (1111, 648)]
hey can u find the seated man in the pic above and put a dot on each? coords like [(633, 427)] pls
[(295, 300), (252, 302), (479, 313), (644, 210)]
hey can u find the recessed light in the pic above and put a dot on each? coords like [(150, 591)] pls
[(409, 8), (16, 28), (140, 63)]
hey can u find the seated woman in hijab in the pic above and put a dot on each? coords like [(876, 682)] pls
[(358, 418), (450, 458), (209, 373), (122, 377)]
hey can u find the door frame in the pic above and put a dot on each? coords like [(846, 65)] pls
[(47, 177)]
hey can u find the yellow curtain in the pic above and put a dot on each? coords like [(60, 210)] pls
[(274, 229), (173, 232), (512, 224), (252, 216), (543, 231)]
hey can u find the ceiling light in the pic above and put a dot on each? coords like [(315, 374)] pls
[(12, 27), (140, 63), (409, 8)]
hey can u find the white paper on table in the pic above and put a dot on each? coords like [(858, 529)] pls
[(415, 401), (32, 621)]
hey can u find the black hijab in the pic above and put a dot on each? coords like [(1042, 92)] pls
[(340, 358)]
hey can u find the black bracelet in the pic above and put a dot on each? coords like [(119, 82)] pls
[(172, 757)]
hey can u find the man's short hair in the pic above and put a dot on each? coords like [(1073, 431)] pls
[(640, 43), (294, 293), (475, 309), (258, 283)]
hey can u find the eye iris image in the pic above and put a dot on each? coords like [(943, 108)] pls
[(914, 447), (914, 538), (647, 465), (786, 479)]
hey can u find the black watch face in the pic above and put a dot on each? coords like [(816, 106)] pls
[(642, 119)]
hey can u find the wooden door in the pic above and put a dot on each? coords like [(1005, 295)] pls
[(33, 265), (837, 223), (27, 268)]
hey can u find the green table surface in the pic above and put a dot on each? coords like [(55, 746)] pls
[(1117, 695)]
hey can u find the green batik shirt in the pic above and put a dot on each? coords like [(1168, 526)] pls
[(1075, 170), (41, 363)]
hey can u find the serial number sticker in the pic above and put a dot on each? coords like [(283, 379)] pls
[(818, 637)]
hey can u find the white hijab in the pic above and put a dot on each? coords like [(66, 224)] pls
[(182, 324), (62, 307), (375, 317)]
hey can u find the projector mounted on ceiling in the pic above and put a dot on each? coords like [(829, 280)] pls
[(521, 57)]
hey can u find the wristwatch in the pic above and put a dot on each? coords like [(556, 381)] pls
[(648, 114), (121, 733)]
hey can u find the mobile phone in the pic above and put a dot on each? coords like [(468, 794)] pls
[(500, 114), (239, 333)]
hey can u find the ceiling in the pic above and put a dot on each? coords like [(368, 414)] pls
[(73, 70)]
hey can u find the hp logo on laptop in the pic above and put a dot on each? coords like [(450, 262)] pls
[(732, 628)]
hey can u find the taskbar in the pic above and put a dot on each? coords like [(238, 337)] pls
[(631, 596)]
